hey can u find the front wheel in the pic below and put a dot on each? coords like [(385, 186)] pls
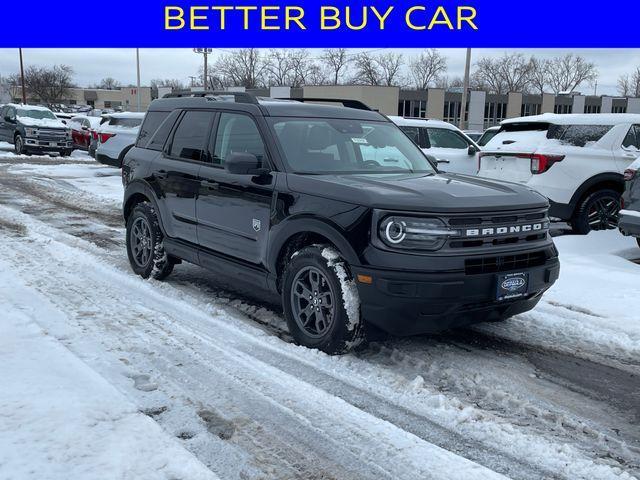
[(145, 247), (598, 211), (18, 145), (320, 301)]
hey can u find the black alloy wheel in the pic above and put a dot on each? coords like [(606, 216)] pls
[(313, 302)]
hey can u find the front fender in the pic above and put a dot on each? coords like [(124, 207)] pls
[(132, 192)]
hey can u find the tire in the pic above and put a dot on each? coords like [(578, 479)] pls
[(318, 272), (18, 144), (66, 153), (597, 211), (145, 248)]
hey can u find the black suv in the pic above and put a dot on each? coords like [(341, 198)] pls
[(34, 129), (334, 208)]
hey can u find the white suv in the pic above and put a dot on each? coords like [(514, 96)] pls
[(453, 150), (575, 160)]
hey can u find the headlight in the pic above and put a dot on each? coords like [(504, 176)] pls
[(68, 133), (414, 233), (31, 132)]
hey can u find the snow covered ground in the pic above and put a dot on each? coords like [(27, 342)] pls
[(105, 375)]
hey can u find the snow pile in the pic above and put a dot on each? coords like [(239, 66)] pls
[(350, 295), (61, 420)]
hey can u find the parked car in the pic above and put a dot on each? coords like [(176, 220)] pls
[(473, 135), (575, 160), (115, 136), (488, 134), (629, 218), (64, 117), (82, 128), (34, 129), (452, 149), (286, 196)]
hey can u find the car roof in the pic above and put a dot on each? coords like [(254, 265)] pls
[(577, 119), (28, 107), (125, 115), (268, 107), (421, 122)]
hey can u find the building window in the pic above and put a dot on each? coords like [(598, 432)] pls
[(107, 104), (563, 108), (404, 108), (619, 109), (592, 108), (494, 113), (451, 112), (529, 109)]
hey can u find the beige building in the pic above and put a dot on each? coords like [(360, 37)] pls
[(123, 98)]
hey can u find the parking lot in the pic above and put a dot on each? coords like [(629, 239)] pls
[(552, 393)]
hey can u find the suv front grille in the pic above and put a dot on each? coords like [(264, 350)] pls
[(504, 263), (488, 230), (51, 134)]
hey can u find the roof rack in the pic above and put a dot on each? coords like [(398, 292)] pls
[(346, 102), (240, 97)]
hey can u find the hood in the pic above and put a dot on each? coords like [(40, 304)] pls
[(441, 193), (41, 122)]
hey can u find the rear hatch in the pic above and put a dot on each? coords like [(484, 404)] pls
[(507, 156)]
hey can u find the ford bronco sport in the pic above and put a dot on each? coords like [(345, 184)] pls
[(334, 208)]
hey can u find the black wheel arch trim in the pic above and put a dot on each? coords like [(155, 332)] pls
[(608, 177), (140, 187), (297, 225)]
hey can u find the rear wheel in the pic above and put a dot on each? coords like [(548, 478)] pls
[(597, 211), (145, 247), (320, 301)]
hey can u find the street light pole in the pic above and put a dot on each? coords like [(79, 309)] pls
[(138, 74), (24, 90), (465, 88)]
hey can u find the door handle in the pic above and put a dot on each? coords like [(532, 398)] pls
[(210, 185)]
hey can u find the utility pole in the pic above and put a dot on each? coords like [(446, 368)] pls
[(205, 75), (595, 89), (465, 88), (138, 73), (24, 90)]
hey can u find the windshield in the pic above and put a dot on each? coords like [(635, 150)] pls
[(37, 114), (324, 146)]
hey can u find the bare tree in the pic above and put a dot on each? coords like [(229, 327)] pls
[(384, 69), (635, 83), (49, 85), (539, 75), (624, 85), (390, 65), (427, 68), (446, 82), (509, 73), (109, 83), (569, 72), (337, 61), (242, 68), (174, 83)]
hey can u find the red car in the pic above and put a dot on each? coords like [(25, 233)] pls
[(82, 128)]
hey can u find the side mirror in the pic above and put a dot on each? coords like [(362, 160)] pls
[(472, 150), (243, 163), (85, 128), (7, 118)]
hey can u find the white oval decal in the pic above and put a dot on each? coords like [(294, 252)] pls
[(513, 284)]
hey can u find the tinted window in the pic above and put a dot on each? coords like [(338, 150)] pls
[(486, 136), (441, 138), (151, 123), (417, 134), (237, 133), (577, 135), (125, 122), (190, 136), (632, 139), (159, 138)]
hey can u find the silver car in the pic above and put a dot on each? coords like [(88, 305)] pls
[(116, 136)]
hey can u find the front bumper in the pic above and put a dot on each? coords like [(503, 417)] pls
[(56, 145), (410, 303), (629, 224)]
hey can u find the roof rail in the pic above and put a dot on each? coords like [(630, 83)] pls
[(346, 102), (240, 97)]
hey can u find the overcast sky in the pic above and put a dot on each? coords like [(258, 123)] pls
[(91, 65)]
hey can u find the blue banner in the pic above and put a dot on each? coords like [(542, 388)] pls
[(338, 23)]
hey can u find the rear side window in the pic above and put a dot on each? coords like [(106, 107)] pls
[(417, 134), (190, 136), (632, 140), (159, 138), (441, 138), (149, 126), (577, 135)]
